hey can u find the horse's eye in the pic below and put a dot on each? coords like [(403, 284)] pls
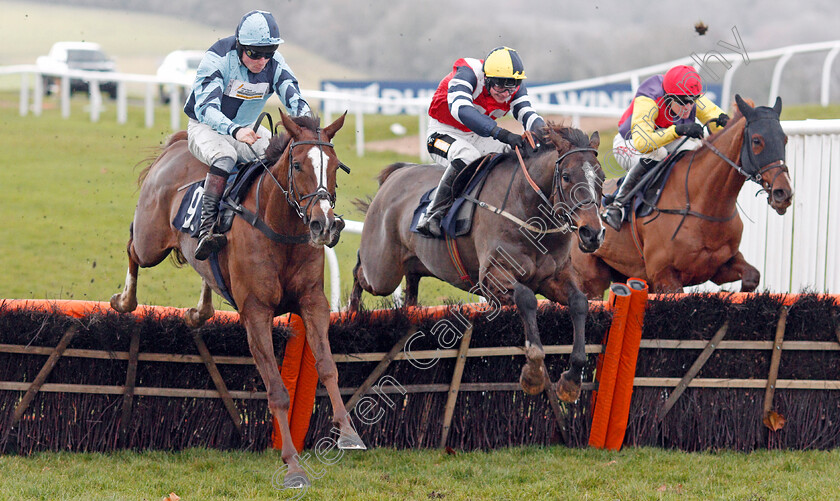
[(756, 141), (296, 166), (566, 177)]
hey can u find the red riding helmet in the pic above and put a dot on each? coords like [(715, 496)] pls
[(682, 81)]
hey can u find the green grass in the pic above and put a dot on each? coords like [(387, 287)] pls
[(70, 190), (517, 473)]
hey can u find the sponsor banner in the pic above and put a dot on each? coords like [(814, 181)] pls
[(615, 95)]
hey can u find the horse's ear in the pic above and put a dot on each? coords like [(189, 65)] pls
[(745, 108), (291, 127), (333, 128), (595, 140), (777, 107)]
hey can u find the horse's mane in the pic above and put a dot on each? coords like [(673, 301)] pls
[(560, 134), (277, 144)]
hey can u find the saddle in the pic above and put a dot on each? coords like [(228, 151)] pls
[(188, 218), (649, 189), (469, 182)]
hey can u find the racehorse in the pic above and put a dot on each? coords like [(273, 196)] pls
[(509, 258), (694, 231), (274, 270)]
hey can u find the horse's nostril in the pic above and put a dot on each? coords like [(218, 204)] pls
[(779, 195), (315, 227)]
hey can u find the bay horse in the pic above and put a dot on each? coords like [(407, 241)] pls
[(267, 272), (694, 231), (505, 259)]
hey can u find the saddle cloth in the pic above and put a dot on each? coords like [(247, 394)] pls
[(458, 219), (188, 218)]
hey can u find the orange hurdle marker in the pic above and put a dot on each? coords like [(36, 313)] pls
[(607, 368), (623, 393), (301, 379)]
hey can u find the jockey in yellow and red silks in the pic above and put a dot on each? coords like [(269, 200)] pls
[(664, 108)]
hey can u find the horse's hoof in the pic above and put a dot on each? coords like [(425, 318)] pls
[(567, 390), (296, 480), (532, 380), (117, 305), (193, 318), (351, 442)]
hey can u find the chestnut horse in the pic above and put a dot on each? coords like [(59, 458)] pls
[(694, 231), (509, 253), (268, 272)]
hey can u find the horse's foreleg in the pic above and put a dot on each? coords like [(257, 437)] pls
[(666, 280), (563, 289), (568, 387), (592, 274), (195, 317), (126, 301), (737, 268), (257, 322), (532, 378), (315, 312)]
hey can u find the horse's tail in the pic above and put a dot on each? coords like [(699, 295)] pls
[(387, 171), (362, 205), (181, 135)]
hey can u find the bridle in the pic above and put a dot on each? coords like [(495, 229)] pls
[(320, 193), (291, 194), (750, 168), (568, 209)]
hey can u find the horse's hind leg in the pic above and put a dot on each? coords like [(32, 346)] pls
[(412, 289), (126, 301), (195, 317), (356, 292), (532, 378)]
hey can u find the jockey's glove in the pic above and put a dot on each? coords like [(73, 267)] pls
[(509, 137), (722, 120), (692, 129)]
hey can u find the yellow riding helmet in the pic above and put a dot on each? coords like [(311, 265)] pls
[(504, 62)]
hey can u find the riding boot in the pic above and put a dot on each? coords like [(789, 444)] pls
[(613, 214), (208, 242), (429, 222)]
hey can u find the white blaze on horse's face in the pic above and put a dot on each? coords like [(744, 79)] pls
[(319, 163), (591, 179)]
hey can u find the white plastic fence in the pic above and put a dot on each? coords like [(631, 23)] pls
[(733, 56), (799, 250)]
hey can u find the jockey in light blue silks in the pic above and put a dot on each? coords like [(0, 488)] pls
[(236, 77)]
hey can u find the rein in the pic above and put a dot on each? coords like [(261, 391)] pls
[(321, 193), (755, 177), (567, 214)]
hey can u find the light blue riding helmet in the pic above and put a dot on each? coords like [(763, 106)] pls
[(258, 29)]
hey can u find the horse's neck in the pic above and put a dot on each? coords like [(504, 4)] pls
[(274, 208), (713, 183), (541, 172)]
